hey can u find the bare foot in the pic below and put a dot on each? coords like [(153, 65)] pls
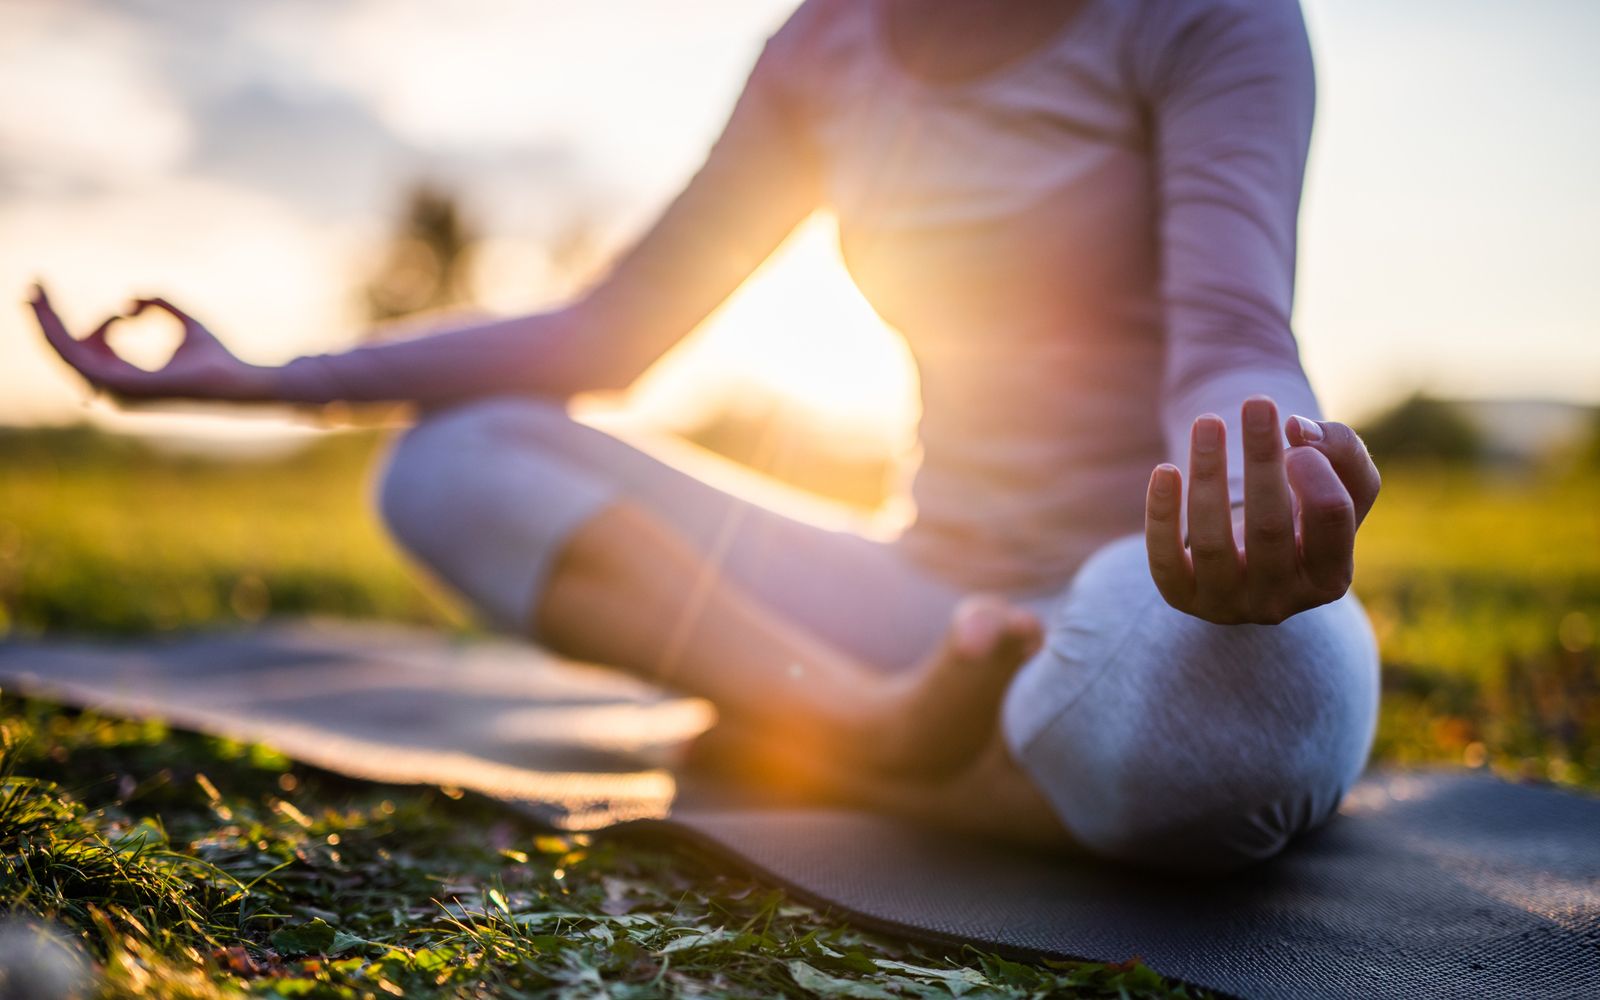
[(937, 717), (914, 728)]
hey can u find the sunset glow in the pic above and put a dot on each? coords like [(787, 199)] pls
[(798, 329), (249, 163)]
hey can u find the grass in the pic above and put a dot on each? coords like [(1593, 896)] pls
[(1485, 594), (99, 534), (198, 867), (188, 866)]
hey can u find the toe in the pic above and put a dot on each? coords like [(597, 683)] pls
[(1025, 627), (980, 623)]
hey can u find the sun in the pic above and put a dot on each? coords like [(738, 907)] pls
[(799, 330)]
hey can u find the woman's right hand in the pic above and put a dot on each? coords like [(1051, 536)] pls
[(201, 367)]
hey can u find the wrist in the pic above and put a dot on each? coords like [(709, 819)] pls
[(302, 380), (256, 384)]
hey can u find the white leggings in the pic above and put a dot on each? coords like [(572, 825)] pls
[(1159, 738)]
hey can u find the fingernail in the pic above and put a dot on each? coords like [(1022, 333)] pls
[(1164, 479), (1310, 430), (1208, 433), (1258, 415)]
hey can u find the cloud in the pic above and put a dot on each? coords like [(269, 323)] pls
[(84, 110), (323, 153)]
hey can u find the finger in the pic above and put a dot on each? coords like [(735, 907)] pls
[(195, 334), (140, 305), (1348, 455), (1217, 573), (191, 327), (92, 357), (1163, 537), (1327, 521), (55, 332), (83, 357), (1025, 626), (97, 338), (1269, 543)]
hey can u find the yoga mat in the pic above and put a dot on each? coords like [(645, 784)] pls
[(1428, 884)]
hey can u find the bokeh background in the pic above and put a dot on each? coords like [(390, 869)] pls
[(299, 173)]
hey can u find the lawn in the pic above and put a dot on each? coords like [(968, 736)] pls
[(195, 867)]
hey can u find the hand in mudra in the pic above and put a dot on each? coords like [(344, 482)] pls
[(201, 367), (1298, 524)]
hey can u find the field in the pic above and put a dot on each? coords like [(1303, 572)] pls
[(189, 866)]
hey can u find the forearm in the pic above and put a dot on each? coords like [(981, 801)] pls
[(556, 353), (1232, 91)]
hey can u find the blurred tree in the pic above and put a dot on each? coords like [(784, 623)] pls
[(1424, 429), (428, 266)]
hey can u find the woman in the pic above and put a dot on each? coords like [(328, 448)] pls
[(1082, 215)]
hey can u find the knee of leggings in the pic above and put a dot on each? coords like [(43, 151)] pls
[(1167, 741), (431, 467)]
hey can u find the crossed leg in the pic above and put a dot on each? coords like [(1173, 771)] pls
[(827, 643), (1140, 733)]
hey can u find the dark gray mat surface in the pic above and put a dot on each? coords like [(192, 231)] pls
[(1427, 884)]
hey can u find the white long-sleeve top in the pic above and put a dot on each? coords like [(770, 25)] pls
[(1085, 249)]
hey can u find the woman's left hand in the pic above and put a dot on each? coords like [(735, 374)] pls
[(1301, 509), (201, 367)]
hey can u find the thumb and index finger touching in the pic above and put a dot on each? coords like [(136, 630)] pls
[(140, 305), (195, 333), (69, 347)]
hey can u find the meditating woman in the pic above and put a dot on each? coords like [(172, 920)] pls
[(1082, 216)]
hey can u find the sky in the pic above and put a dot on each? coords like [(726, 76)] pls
[(248, 161)]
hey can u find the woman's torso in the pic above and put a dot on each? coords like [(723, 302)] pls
[(1006, 225)]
